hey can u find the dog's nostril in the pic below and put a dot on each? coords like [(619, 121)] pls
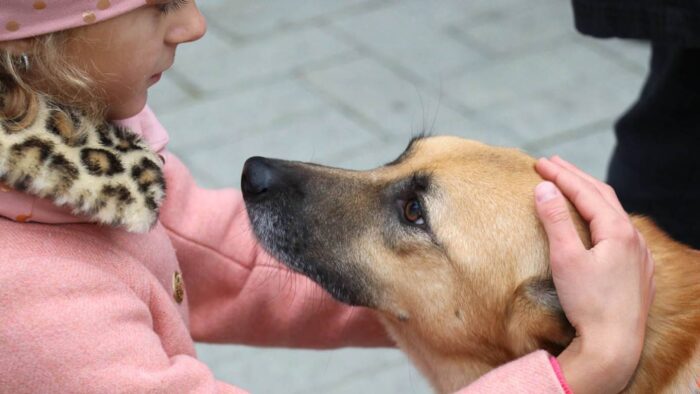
[(250, 188), (257, 177)]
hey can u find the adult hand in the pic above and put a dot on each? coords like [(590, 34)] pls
[(606, 291)]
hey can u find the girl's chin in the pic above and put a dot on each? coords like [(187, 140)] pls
[(128, 109)]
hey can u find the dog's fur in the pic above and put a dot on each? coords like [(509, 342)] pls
[(470, 289)]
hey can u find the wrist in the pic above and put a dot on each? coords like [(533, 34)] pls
[(589, 368), (560, 375)]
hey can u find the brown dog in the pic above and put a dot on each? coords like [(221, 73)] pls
[(445, 244)]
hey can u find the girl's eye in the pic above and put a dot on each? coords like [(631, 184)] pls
[(172, 5), (413, 212)]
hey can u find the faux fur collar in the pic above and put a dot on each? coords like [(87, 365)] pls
[(101, 171)]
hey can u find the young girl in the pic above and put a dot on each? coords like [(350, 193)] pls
[(106, 278)]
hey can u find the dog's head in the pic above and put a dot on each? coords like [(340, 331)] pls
[(443, 241)]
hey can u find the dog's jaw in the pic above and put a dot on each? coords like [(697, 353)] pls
[(267, 225), (446, 374), (288, 241)]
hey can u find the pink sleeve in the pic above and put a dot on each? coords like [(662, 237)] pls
[(240, 294), (72, 327), (531, 374)]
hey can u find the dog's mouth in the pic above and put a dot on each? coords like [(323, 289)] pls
[(280, 202)]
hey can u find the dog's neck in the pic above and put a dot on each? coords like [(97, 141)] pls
[(446, 374), (674, 319)]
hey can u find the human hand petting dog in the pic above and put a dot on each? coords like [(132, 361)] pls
[(606, 291)]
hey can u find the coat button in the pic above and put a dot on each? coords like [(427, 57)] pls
[(178, 287)]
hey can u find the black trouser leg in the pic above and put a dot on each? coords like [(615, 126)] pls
[(655, 167)]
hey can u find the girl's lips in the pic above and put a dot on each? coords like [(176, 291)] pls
[(155, 78)]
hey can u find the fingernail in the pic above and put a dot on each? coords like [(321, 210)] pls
[(545, 191)]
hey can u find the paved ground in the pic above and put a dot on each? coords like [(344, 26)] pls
[(347, 82)]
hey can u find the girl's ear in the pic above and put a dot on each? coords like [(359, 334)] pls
[(536, 320)]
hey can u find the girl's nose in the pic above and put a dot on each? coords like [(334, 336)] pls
[(189, 25)]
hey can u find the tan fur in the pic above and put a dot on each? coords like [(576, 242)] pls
[(491, 187), (470, 290)]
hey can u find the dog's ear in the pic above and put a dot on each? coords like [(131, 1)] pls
[(536, 319)]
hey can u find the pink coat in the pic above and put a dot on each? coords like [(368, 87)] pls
[(93, 308)]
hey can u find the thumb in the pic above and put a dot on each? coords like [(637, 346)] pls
[(556, 219)]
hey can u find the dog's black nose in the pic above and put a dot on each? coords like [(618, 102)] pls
[(259, 176)]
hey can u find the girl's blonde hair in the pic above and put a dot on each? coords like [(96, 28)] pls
[(50, 75)]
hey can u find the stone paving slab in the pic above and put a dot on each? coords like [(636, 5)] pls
[(390, 103), (542, 23), (217, 64), (635, 55), (590, 151), (516, 79), (213, 120), (249, 19), (304, 371), (445, 14), (167, 96), (571, 106), (316, 137), (401, 36)]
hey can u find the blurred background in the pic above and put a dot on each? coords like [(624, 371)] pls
[(348, 82)]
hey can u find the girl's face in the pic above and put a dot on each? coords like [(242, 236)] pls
[(128, 54)]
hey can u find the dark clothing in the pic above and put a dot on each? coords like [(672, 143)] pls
[(675, 22), (655, 167), (656, 164)]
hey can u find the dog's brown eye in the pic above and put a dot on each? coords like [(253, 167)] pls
[(413, 212)]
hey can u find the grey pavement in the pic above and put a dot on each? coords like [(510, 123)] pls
[(348, 82)]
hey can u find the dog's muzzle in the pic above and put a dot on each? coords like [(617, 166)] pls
[(299, 221)]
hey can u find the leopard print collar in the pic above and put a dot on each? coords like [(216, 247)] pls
[(101, 171)]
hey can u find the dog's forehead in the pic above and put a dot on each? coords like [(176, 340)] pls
[(436, 148), (448, 152)]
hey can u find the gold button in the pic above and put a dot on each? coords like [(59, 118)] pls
[(89, 17), (23, 218), (178, 287)]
